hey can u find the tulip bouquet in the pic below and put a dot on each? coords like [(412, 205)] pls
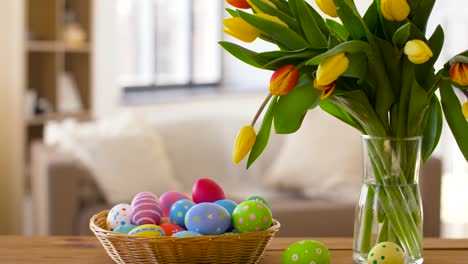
[(374, 72)]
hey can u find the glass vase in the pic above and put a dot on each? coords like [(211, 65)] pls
[(389, 208)]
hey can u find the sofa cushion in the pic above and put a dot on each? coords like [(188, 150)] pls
[(321, 160), (124, 154)]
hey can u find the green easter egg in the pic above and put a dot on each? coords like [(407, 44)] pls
[(386, 253), (259, 198), (306, 251), (251, 216)]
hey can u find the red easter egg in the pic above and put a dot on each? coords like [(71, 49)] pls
[(207, 191), (168, 199), (170, 229)]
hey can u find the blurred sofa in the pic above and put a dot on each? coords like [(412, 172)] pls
[(311, 178)]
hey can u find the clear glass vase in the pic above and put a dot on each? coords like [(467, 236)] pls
[(389, 207)]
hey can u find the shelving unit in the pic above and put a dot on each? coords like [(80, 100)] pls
[(48, 57)]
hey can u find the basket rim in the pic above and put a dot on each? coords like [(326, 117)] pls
[(97, 229)]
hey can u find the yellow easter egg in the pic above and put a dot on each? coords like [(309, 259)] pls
[(386, 253), (148, 230)]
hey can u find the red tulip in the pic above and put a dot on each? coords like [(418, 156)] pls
[(459, 73), (239, 3), (284, 80)]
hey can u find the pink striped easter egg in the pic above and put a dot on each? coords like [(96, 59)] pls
[(146, 209)]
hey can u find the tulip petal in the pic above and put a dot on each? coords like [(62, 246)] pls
[(284, 80), (240, 29), (418, 51), (328, 92), (459, 73), (243, 4), (244, 143), (331, 69), (272, 19), (465, 110), (327, 7)]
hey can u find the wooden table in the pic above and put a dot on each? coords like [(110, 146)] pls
[(88, 250)]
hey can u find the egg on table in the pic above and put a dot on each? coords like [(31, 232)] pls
[(148, 230), (167, 199), (178, 211), (306, 251), (251, 216), (207, 219), (146, 209), (386, 253), (119, 215)]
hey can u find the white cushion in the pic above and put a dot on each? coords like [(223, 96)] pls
[(124, 153), (321, 160)]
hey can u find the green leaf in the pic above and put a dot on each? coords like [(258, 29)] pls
[(337, 30), (263, 134), (292, 107), (432, 129), (418, 105), (454, 116), (425, 72), (268, 9), (357, 66), (402, 35), (353, 46), (338, 112), (318, 19), (280, 33), (243, 54), (351, 19), (282, 5), (420, 12), (232, 12), (314, 35), (358, 106), (292, 58), (372, 20)]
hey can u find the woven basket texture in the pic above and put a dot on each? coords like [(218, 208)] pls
[(234, 248)]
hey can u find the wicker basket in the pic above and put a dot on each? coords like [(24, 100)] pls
[(235, 248)]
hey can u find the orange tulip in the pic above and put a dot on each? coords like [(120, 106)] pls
[(284, 80), (243, 4), (459, 73)]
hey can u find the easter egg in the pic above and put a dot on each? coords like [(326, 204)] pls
[(229, 205), (207, 219), (165, 220), (207, 191), (146, 209), (251, 216), (167, 199), (119, 215), (148, 230), (170, 229), (178, 211), (186, 234), (125, 229), (386, 253), (259, 198), (306, 251)]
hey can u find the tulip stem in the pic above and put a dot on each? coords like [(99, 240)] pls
[(260, 110)]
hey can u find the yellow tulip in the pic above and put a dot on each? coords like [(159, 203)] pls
[(244, 143), (418, 52), (395, 10), (240, 29), (254, 7), (465, 110), (459, 73), (327, 7), (331, 69), (327, 89)]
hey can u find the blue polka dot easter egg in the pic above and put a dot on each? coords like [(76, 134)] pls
[(178, 211), (251, 216), (186, 234), (207, 219), (119, 215)]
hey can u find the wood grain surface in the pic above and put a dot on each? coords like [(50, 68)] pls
[(88, 250)]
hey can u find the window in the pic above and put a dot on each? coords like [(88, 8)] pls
[(167, 44)]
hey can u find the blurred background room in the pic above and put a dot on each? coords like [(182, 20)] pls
[(101, 99)]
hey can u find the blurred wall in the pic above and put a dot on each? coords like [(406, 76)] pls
[(11, 107)]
